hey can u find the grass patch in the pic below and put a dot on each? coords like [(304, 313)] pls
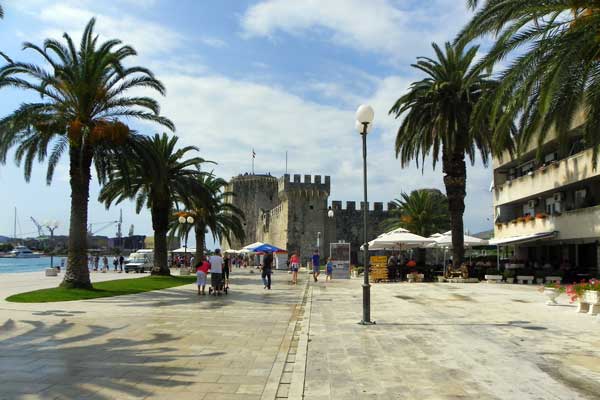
[(117, 287)]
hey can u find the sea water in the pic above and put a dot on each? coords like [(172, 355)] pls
[(12, 265)]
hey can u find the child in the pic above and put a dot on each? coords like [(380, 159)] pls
[(294, 264), (201, 271), (329, 270)]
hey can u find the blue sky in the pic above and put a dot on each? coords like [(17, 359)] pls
[(272, 75)]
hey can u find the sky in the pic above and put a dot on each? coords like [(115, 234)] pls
[(269, 75)]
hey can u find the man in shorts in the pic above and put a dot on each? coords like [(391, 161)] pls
[(316, 263), (216, 273)]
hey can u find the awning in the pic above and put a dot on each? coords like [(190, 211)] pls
[(523, 238)]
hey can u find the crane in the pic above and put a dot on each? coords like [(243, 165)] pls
[(40, 228), (105, 224)]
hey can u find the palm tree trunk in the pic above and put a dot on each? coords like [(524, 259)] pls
[(200, 231), (160, 224), (455, 177), (77, 274)]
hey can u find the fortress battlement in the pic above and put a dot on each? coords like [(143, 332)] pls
[(247, 178), (337, 205), (287, 183)]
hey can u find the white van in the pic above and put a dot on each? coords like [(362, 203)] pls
[(140, 261)]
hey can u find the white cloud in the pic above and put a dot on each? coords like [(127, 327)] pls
[(227, 118), (395, 29), (213, 42), (147, 37)]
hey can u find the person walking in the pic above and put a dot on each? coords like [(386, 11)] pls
[(104, 264), (267, 270), (226, 269), (329, 270), (115, 263), (121, 262), (316, 264), (216, 273), (96, 262), (392, 267), (294, 266), (202, 268)]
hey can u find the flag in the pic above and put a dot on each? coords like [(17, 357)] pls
[(253, 154)]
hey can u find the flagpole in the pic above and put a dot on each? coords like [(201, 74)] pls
[(253, 156), (286, 158)]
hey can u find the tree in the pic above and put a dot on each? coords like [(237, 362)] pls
[(423, 211), (84, 95), (437, 112), (553, 78), (212, 213), (155, 174)]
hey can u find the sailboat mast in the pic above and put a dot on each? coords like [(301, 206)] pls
[(15, 225)]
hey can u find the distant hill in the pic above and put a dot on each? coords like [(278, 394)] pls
[(4, 239), (485, 234)]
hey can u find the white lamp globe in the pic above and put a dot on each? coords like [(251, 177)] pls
[(330, 213), (190, 220), (365, 114), (181, 220)]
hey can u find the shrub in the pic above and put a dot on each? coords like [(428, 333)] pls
[(509, 273), (491, 271)]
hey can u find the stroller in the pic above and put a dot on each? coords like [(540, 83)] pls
[(218, 284)]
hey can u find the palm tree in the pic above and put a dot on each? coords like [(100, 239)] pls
[(83, 97), (436, 112), (212, 213), (554, 75), (155, 174), (423, 211)]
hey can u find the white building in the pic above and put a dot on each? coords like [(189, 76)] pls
[(548, 209)]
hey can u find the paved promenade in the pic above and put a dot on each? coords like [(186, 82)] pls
[(171, 344), (449, 341), (431, 341)]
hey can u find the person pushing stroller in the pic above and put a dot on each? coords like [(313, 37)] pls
[(216, 274)]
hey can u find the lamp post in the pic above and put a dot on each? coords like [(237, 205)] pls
[(364, 118), (52, 225), (185, 220)]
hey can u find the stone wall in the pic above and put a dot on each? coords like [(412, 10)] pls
[(348, 225), (253, 193)]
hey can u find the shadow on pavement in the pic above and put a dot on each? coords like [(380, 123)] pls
[(64, 361)]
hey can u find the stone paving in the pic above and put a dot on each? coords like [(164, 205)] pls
[(431, 341), (171, 344), (449, 341)]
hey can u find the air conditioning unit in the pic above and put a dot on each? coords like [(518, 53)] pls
[(558, 197), (532, 203)]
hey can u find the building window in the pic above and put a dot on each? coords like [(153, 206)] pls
[(311, 207)]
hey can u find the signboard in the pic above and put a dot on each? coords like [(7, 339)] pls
[(340, 257)]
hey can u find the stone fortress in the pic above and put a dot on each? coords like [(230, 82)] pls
[(292, 214)]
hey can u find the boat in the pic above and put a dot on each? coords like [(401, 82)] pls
[(21, 251)]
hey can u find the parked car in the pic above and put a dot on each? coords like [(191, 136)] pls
[(140, 261)]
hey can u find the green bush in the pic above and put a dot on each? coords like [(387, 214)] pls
[(509, 273), (491, 271)]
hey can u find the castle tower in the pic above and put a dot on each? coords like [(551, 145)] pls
[(252, 193), (306, 205)]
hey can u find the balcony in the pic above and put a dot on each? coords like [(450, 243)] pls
[(576, 224), (569, 170)]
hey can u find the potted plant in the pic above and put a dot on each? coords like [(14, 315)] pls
[(539, 275), (525, 275), (576, 293), (509, 275), (552, 291), (591, 296)]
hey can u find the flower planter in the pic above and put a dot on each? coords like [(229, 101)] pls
[(551, 294), (493, 278), (583, 307), (51, 272), (527, 279), (510, 280), (441, 279), (592, 297)]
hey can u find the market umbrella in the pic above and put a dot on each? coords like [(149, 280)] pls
[(445, 240), (265, 247), (398, 239)]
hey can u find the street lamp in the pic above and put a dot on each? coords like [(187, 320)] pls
[(364, 118), (185, 220), (330, 213), (52, 225)]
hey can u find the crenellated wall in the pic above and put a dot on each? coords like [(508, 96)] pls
[(290, 212)]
